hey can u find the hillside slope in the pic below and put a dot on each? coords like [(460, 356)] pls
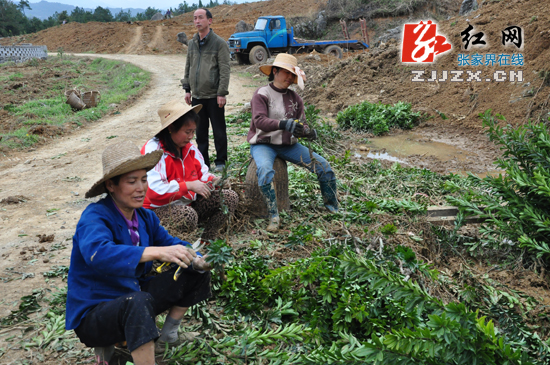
[(158, 37), (379, 75), (375, 75)]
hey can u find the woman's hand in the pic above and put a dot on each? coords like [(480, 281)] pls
[(292, 126), (198, 187), (200, 264), (218, 185), (178, 254)]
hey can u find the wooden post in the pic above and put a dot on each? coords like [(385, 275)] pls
[(447, 214), (254, 196)]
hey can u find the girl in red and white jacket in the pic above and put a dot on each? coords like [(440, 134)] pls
[(181, 190)]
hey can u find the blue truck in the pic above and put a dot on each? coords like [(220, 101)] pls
[(271, 36)]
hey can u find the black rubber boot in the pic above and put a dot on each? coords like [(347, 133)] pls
[(328, 191), (271, 201)]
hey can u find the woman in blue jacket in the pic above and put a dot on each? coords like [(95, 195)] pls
[(110, 297)]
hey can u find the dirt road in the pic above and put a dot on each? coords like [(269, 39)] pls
[(53, 179)]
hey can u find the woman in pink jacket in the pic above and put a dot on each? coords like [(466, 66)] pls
[(181, 189), (274, 132)]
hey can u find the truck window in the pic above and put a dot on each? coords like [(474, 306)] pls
[(275, 24), (260, 24)]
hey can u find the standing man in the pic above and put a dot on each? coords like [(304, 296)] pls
[(206, 82)]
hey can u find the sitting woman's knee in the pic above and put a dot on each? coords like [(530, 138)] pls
[(189, 218), (231, 198), (324, 171), (265, 174), (140, 299), (138, 305), (180, 217)]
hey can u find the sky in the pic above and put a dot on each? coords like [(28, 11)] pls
[(139, 4)]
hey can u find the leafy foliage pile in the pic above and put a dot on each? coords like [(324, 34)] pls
[(377, 118), (340, 307), (29, 304), (355, 299), (516, 204), (353, 287)]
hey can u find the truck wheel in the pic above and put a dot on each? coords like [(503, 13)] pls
[(242, 59), (334, 51), (258, 54)]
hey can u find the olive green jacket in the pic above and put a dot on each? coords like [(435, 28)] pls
[(207, 68)]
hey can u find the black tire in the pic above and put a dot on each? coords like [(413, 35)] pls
[(334, 50), (258, 54), (242, 59)]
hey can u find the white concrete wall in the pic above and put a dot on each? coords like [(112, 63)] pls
[(22, 53)]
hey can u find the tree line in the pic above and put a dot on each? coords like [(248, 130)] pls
[(13, 20)]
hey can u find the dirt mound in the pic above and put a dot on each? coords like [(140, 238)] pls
[(160, 36), (150, 37), (379, 75)]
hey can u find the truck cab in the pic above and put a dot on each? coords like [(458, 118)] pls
[(269, 35), (275, 31)]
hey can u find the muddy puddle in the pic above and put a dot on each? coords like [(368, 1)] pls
[(417, 149), (378, 155), (406, 144)]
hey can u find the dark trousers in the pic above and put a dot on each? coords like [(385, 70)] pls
[(131, 317), (211, 111)]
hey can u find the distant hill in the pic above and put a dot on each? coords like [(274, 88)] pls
[(45, 9)]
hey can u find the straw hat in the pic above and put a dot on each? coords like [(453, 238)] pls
[(121, 158), (172, 111), (289, 63)]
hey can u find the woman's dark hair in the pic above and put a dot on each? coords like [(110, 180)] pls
[(166, 139), (271, 76), (115, 180)]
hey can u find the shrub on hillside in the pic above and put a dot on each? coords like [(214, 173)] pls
[(377, 118), (355, 9), (516, 204)]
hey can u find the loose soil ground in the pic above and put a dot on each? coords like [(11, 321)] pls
[(54, 177), (379, 75), (42, 189)]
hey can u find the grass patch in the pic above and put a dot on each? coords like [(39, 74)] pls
[(16, 75), (116, 81), (10, 77)]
